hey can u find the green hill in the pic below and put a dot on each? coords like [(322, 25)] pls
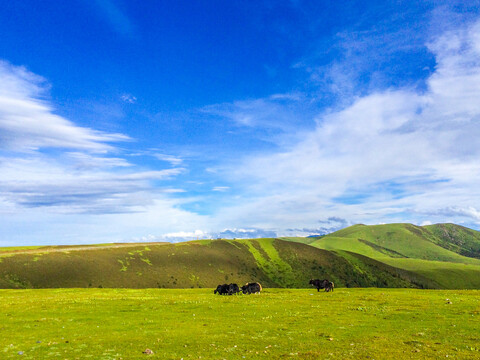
[(445, 254), (392, 255), (400, 241), (456, 238), (272, 262)]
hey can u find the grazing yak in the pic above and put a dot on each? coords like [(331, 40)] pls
[(322, 284), (221, 289), (233, 289), (251, 288), (227, 289), (329, 286)]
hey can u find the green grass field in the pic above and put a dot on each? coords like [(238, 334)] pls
[(277, 324)]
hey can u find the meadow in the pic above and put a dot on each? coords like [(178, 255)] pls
[(359, 323)]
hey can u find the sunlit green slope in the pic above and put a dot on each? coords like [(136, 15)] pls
[(446, 254), (395, 241)]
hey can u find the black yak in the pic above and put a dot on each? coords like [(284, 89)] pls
[(227, 289), (251, 288), (322, 284), (221, 289), (233, 289)]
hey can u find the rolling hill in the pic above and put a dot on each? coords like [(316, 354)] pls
[(399, 241), (446, 254), (393, 255), (205, 263)]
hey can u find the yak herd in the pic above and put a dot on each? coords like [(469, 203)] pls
[(256, 288), (231, 289)]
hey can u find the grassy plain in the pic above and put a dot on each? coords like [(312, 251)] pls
[(278, 324)]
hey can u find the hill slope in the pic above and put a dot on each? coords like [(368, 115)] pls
[(403, 241), (394, 255), (446, 254), (206, 263), (456, 238)]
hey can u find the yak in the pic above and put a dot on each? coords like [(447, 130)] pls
[(251, 288), (221, 289), (233, 289), (322, 284), (227, 289)]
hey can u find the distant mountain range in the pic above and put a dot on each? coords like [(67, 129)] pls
[(393, 255)]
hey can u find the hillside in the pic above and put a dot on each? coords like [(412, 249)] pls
[(446, 254), (403, 241), (205, 263), (456, 238), (393, 255)]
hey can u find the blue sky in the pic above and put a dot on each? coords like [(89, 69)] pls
[(172, 120)]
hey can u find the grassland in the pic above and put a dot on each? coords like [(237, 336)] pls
[(279, 323)]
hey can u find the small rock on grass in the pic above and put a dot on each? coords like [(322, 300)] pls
[(148, 352)]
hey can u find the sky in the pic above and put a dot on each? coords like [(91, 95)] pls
[(125, 121)]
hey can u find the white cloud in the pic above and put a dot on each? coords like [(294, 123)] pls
[(387, 157), (184, 235), (28, 121), (128, 98), (174, 160), (60, 184), (39, 181), (455, 211), (221, 188), (40, 226)]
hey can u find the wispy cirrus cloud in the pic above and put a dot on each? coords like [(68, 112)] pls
[(174, 160), (116, 17), (221, 188), (28, 121), (64, 183), (59, 187), (48, 162), (278, 113)]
